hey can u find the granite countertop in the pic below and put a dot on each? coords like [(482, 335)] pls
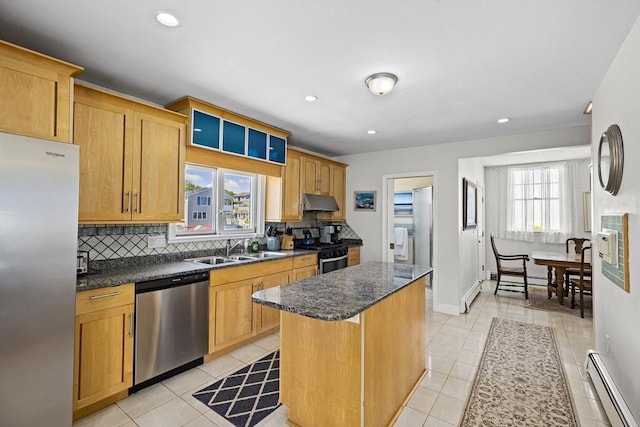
[(341, 294), (158, 269)]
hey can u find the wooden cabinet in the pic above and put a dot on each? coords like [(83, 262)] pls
[(268, 317), (354, 256), (103, 362), (233, 317), (283, 193), (338, 191), (37, 91), (231, 313), (131, 159), (305, 173), (305, 266), (315, 176)]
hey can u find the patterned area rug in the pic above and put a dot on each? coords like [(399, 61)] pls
[(247, 396), (538, 300), (520, 380)]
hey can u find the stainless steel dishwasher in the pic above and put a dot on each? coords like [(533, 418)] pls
[(171, 327)]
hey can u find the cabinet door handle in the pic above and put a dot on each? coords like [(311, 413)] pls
[(137, 196), (128, 203), (130, 325), (112, 294)]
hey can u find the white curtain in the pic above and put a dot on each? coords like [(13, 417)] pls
[(552, 197)]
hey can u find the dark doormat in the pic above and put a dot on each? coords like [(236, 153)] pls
[(247, 396)]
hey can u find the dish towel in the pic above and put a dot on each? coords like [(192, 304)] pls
[(401, 243)]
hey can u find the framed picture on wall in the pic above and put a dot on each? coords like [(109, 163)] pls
[(403, 203), (364, 200), (469, 204)]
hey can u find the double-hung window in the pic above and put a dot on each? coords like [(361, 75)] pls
[(220, 203), (538, 202)]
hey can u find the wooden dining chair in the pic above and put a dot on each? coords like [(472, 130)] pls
[(583, 282), (577, 243), (512, 270)]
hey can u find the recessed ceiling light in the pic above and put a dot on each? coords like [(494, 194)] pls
[(310, 98), (505, 120), (371, 132), (167, 19)]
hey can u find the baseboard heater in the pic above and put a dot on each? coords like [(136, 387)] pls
[(470, 295), (611, 399)]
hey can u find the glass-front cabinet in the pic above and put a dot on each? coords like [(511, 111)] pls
[(217, 133)]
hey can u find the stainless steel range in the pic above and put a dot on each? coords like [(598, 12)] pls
[(331, 256)]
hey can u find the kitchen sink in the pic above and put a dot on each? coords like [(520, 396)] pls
[(217, 260), (212, 260), (263, 255), (237, 258)]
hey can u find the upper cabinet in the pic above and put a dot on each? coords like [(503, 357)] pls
[(305, 173), (37, 92), (227, 134), (131, 159), (316, 176), (338, 173), (283, 193)]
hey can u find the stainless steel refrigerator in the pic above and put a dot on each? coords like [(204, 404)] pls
[(38, 244)]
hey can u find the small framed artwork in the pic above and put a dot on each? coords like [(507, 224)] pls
[(469, 205), (403, 203), (364, 200)]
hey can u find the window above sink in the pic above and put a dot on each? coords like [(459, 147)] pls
[(219, 204)]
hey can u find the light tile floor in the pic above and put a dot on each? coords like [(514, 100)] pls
[(453, 348)]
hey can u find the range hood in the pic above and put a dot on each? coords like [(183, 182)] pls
[(318, 203)]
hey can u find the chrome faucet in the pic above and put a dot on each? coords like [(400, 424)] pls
[(230, 247)]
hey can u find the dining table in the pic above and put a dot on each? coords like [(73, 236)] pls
[(560, 262)]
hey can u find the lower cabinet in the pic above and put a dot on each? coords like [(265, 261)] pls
[(305, 266), (230, 314), (103, 364), (354, 256), (233, 317)]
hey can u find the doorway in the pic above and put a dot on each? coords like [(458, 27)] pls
[(409, 218)]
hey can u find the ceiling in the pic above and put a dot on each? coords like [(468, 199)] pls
[(461, 65)]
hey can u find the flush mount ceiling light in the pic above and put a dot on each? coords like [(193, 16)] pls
[(381, 83), (504, 120), (588, 108), (310, 98), (371, 132), (167, 19)]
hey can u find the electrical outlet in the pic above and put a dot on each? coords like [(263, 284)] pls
[(156, 241)]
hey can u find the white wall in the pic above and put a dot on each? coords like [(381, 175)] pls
[(365, 172), (617, 313)]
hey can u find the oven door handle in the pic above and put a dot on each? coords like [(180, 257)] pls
[(334, 259)]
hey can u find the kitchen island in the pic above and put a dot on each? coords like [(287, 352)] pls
[(352, 343)]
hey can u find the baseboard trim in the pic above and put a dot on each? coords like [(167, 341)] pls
[(451, 309)]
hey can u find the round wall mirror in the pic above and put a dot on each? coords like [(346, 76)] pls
[(611, 160)]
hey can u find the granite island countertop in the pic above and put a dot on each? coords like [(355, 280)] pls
[(342, 294)]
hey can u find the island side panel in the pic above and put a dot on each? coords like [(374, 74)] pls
[(394, 352), (320, 371)]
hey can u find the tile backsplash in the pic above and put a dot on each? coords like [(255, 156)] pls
[(107, 242)]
